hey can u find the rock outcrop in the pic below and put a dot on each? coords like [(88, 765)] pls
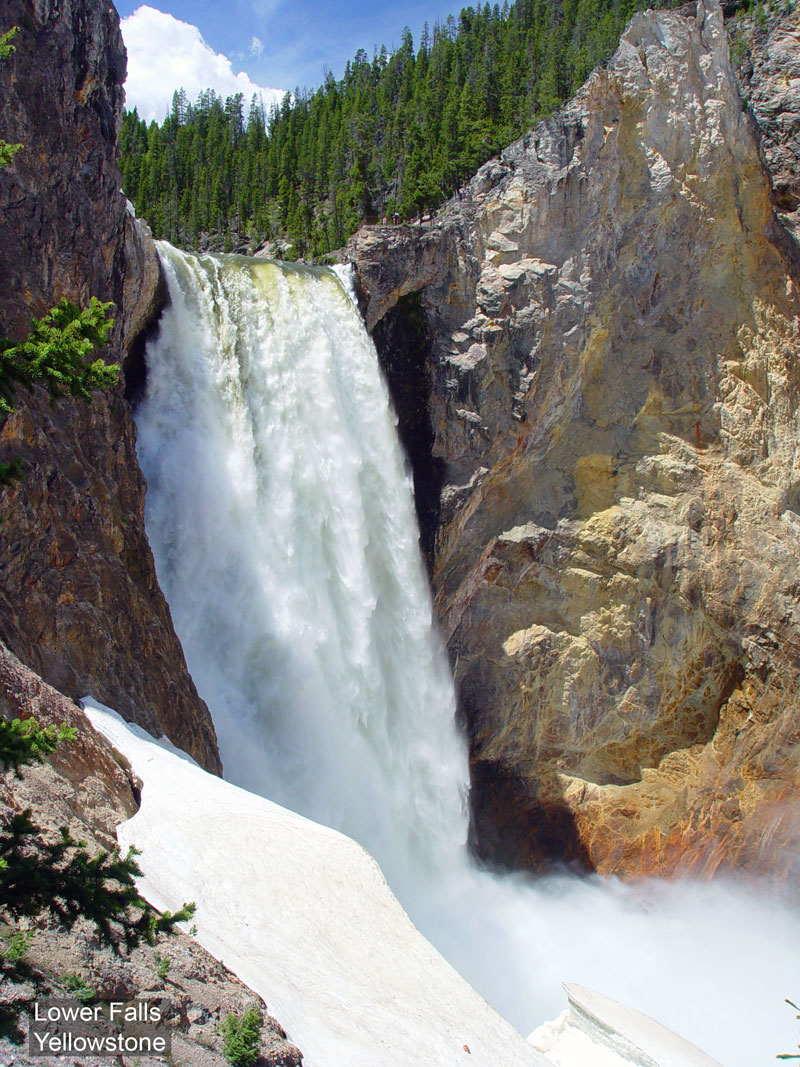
[(82, 786), (89, 788), (78, 591), (613, 371)]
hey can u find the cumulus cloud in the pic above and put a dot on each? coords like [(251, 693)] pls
[(165, 54)]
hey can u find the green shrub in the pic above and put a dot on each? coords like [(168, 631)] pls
[(15, 944), (241, 1037), (25, 741), (80, 989)]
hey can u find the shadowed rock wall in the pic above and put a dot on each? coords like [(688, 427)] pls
[(79, 599)]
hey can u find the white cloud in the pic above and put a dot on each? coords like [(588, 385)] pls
[(165, 54), (256, 47)]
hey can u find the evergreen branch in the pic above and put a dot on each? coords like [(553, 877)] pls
[(7, 153), (6, 48), (25, 741), (62, 879), (55, 353)]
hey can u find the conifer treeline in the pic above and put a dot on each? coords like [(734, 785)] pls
[(398, 133)]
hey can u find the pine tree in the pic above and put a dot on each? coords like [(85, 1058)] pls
[(398, 132)]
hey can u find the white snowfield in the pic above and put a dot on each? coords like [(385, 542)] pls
[(304, 916)]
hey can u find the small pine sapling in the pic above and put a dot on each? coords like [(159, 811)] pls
[(241, 1037)]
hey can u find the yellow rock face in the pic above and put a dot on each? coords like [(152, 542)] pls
[(618, 559), (595, 484)]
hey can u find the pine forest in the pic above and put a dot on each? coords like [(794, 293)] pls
[(396, 136)]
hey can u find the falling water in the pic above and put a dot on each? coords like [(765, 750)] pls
[(281, 519)]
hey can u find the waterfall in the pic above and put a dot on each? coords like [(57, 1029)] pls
[(281, 520)]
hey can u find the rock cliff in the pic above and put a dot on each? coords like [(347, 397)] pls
[(79, 599), (609, 317), (78, 591)]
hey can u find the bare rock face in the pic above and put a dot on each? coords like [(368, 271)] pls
[(79, 599), (614, 366), (82, 786), (405, 259)]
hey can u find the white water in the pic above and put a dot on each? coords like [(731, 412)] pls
[(282, 523), (283, 527)]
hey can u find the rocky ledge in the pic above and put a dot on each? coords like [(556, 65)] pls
[(607, 335)]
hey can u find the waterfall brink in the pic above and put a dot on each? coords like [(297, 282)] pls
[(282, 520)]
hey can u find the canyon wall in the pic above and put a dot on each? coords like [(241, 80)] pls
[(79, 598), (765, 50), (608, 319)]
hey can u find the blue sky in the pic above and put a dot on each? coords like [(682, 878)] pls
[(277, 43)]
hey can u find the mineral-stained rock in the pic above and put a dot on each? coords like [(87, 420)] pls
[(79, 599), (614, 358)]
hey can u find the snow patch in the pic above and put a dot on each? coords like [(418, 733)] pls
[(600, 1031)]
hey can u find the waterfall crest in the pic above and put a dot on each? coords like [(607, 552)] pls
[(282, 522)]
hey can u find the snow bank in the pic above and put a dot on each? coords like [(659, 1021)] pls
[(304, 916), (602, 1032)]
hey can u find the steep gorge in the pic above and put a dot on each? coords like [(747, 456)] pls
[(604, 399), (609, 316), (594, 356)]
